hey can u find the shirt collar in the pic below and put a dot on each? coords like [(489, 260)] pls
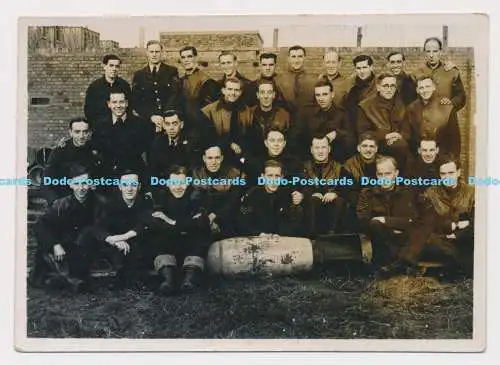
[(124, 118)]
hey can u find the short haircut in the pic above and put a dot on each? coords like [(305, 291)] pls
[(322, 83), (362, 58), (110, 57), (332, 50), (273, 163), (117, 90), (76, 120), (436, 39), (367, 136), (188, 48), (173, 112), (212, 145), (428, 138), (381, 159), (383, 76), (395, 53), (228, 53), (234, 80), (268, 55), (319, 136), (265, 82), (152, 42), (425, 77), (446, 158), (129, 171), (274, 129), (296, 48), (77, 170), (178, 170)]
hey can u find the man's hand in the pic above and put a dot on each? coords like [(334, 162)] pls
[(446, 101), (380, 219), (453, 226), (211, 217), (158, 121), (331, 136), (329, 197), (297, 198), (59, 252), (451, 236), (163, 217), (448, 65), (392, 137), (196, 216), (113, 239), (318, 195), (123, 246), (463, 224), (62, 142), (236, 148)]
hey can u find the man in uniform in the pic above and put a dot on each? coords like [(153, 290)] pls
[(229, 65), (406, 89), (332, 62), (156, 87), (267, 65), (96, 96)]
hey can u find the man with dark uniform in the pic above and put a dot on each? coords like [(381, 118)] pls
[(172, 146), (406, 87), (267, 65), (229, 64), (386, 212), (385, 115), (221, 201), (156, 87), (449, 87), (270, 208), (75, 151), (429, 116), (445, 230), (58, 258), (96, 96), (296, 84), (323, 117), (181, 232), (332, 62), (425, 164), (363, 86), (327, 203)]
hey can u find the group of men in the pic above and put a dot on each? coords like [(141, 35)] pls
[(237, 139)]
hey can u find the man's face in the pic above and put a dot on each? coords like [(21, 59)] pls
[(228, 64), (266, 95), (450, 171), (363, 70), (425, 88), (320, 149), (296, 59), (271, 174), (213, 159), (231, 91), (172, 126), (387, 87), (129, 186), (80, 187), (324, 97), (428, 150), (111, 69), (368, 150), (118, 104), (179, 187), (79, 133), (267, 67), (387, 171), (275, 143), (432, 53), (395, 64), (154, 54), (188, 60), (331, 63)]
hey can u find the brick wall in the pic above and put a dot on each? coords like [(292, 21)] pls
[(64, 77)]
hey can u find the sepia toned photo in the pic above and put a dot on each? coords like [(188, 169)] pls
[(278, 183)]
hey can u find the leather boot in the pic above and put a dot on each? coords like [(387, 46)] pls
[(191, 279), (167, 285)]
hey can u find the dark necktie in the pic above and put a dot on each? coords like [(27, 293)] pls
[(154, 71), (119, 121), (172, 143)]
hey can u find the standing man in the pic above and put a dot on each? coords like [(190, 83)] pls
[(229, 64), (406, 85), (385, 115), (449, 87), (296, 84), (96, 96), (267, 66), (156, 87), (327, 118), (364, 85), (332, 62), (429, 116)]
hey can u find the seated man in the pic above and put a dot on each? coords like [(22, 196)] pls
[(385, 213), (445, 230), (58, 231), (181, 232), (120, 232), (425, 165), (327, 205), (220, 200), (270, 208)]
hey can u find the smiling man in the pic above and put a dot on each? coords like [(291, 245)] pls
[(267, 67), (405, 84), (228, 63), (332, 62)]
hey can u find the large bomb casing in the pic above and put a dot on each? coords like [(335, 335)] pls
[(279, 255)]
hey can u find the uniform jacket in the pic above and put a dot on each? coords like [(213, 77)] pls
[(330, 170), (341, 86), (253, 88), (245, 96), (359, 91), (297, 88), (97, 95)]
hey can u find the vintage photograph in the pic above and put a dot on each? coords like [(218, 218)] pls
[(253, 177)]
